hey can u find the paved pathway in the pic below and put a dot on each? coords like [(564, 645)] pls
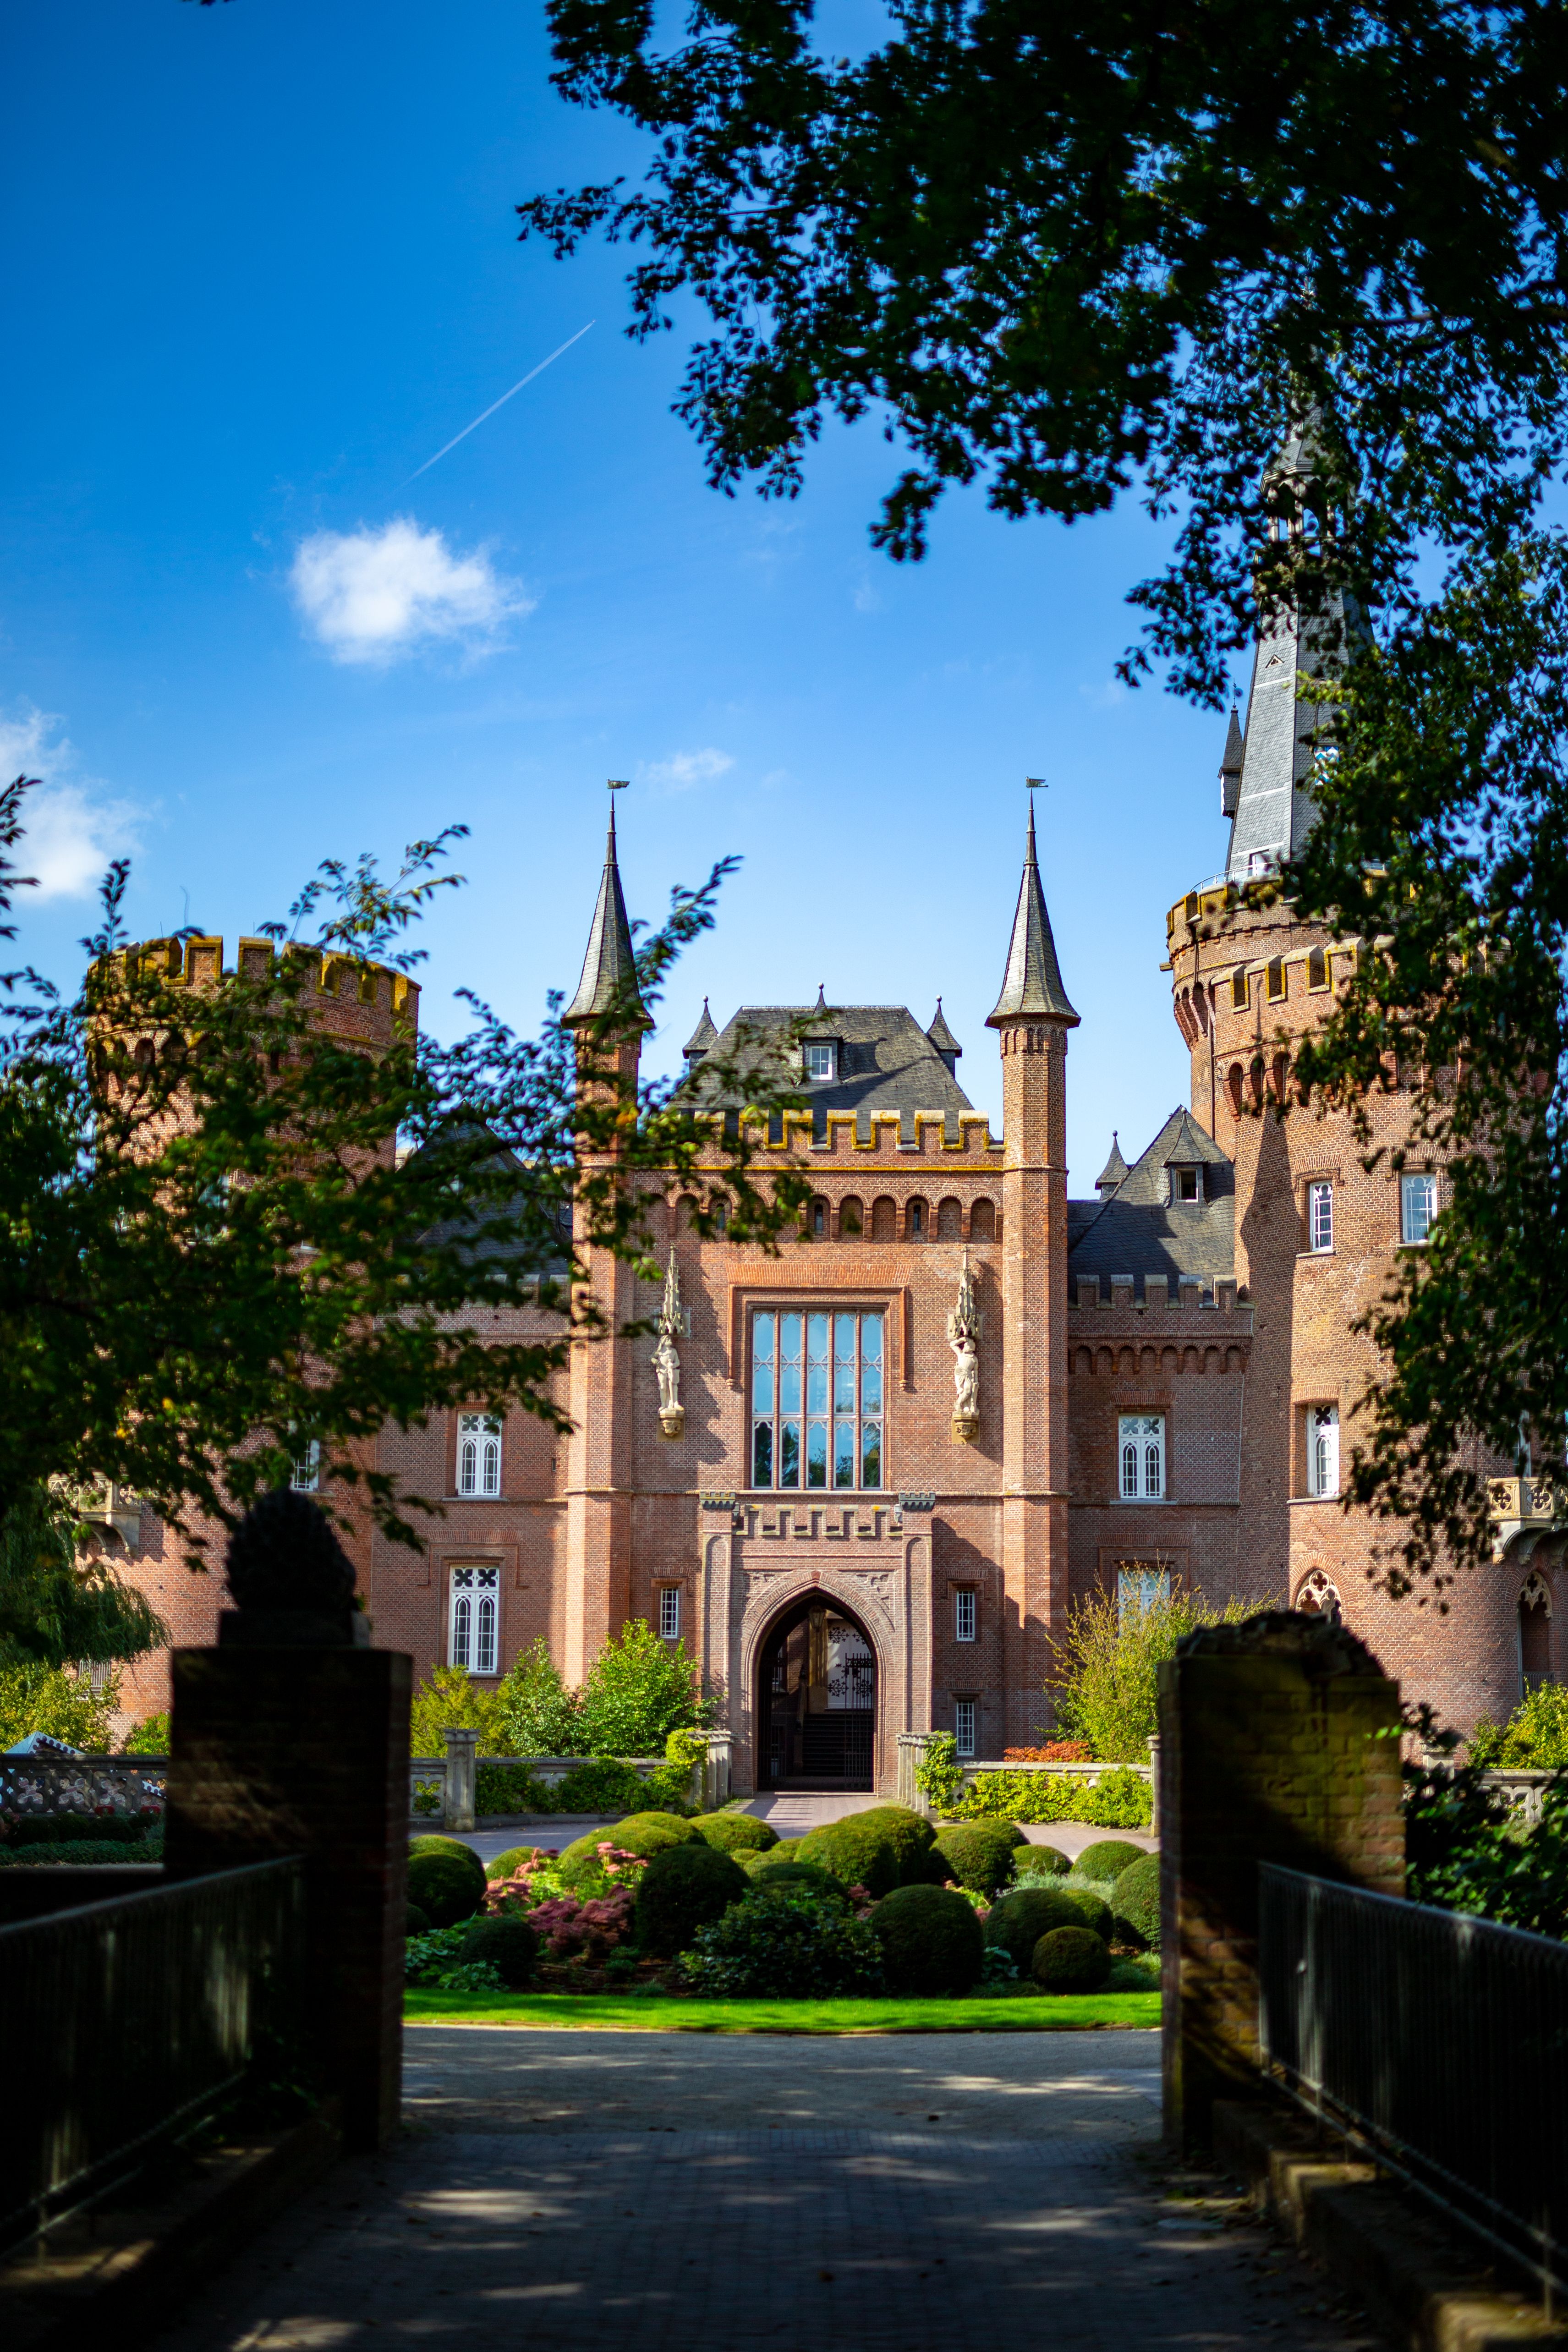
[(646, 2192)]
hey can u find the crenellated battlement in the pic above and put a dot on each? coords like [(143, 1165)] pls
[(885, 1138), (366, 999)]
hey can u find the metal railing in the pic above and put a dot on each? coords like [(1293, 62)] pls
[(1439, 2039), (131, 2020)]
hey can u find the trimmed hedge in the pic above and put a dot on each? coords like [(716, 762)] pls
[(784, 1943), (1024, 1915), (1135, 1904), (1090, 1902), (931, 1941), (416, 1922), (770, 1875), (1071, 1960), (1107, 1859), (70, 1829), (504, 1865), (684, 1889), (459, 1853), (978, 1854), (914, 1839), (1121, 1800), (735, 1834), (84, 1853), (443, 1889), (858, 1850), (1039, 1862), (642, 1833), (510, 1946)]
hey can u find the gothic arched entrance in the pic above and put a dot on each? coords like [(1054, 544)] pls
[(817, 1699)]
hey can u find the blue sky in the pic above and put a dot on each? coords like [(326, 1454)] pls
[(261, 263)]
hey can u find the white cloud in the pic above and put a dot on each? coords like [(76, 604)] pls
[(1106, 697), (867, 598), (682, 769), (74, 827), (372, 596)]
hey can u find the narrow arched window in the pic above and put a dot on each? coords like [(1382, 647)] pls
[(1323, 1464), (479, 1454)]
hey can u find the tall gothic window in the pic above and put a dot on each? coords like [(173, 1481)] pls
[(1319, 1217), (1418, 1206), (471, 1633), (1323, 1449), (479, 1454), (817, 1399), (305, 1477), (1140, 1439)]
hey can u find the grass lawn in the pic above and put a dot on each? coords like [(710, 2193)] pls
[(663, 2013)]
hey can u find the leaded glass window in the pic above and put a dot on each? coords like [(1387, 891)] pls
[(817, 1399), (471, 1641)]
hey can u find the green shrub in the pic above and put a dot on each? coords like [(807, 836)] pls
[(682, 1889), (1024, 1914), (1039, 1862), (67, 1829), (637, 1691), (1121, 1800), (444, 1888), (914, 1839), (506, 1787), (506, 1866), (534, 1711), (59, 1700), (858, 1850), (84, 1853), (735, 1834), (434, 1843), (1105, 1861), (1071, 1960), (416, 1922), (510, 1946), (978, 1854), (1088, 1900), (1135, 1904), (452, 1701), (150, 1736), (938, 1774), (1534, 1739), (784, 1943), (601, 1784), (640, 1834), (772, 1874), (931, 1941), (1104, 1678)]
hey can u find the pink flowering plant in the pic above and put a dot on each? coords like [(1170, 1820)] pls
[(584, 1922)]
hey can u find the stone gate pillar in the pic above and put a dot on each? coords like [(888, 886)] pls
[(1279, 1742), (462, 1757)]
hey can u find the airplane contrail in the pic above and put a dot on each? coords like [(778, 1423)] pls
[(501, 403)]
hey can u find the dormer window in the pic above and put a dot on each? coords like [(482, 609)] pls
[(1186, 1183), (821, 1063)]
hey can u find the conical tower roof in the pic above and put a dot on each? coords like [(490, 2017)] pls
[(1114, 1171), (703, 1036), (609, 981), (1230, 767), (1032, 986), (940, 1036)]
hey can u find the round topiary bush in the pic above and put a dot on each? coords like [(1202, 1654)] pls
[(858, 1851), (771, 1873), (641, 1833), (735, 1834), (1135, 1904), (444, 1889), (1107, 1859), (459, 1853), (931, 1941), (913, 1841), (507, 1865), (1039, 1862), (510, 1946), (284, 1555), (784, 1943), (683, 1888), (1088, 1902), (416, 1922), (978, 1854), (1024, 1915), (1071, 1960)]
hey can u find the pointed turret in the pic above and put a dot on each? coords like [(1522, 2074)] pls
[(702, 1039), (1114, 1171), (945, 1042), (1032, 986), (609, 981), (1230, 766)]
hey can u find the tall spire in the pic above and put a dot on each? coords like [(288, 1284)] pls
[(1032, 984), (609, 981)]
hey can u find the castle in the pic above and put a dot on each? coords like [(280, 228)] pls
[(864, 1480)]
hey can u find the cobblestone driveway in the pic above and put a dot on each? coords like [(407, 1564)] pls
[(904, 2230)]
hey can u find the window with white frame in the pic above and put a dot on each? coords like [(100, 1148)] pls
[(1322, 1449), (479, 1454), (1418, 1206), (817, 1399), (964, 1614), (670, 1612), (821, 1062), (1140, 1584), (1140, 1447), (471, 1622), (963, 1711), (305, 1476), (1320, 1216)]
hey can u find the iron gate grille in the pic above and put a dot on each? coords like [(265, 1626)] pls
[(128, 2019), (1443, 2040)]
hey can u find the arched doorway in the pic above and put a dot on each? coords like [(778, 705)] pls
[(817, 1700)]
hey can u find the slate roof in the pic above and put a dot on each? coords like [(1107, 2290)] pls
[(1136, 1231), (887, 1063), (609, 969), (1032, 983), (703, 1038), (1114, 1170), (940, 1036)]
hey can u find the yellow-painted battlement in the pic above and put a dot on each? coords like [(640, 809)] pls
[(197, 962), (884, 1138)]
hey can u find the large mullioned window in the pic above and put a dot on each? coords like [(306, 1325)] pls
[(471, 1636), (1141, 1449), (479, 1454), (817, 1399)]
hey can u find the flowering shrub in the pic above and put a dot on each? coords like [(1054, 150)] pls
[(1055, 1751), (776, 1946), (591, 1920)]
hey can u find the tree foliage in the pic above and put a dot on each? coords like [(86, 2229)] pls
[(60, 1605), (637, 1691), (211, 1255), (1104, 1682)]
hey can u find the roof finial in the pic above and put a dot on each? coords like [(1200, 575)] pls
[(609, 981)]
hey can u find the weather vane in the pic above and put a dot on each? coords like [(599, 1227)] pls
[(1035, 785), (616, 784)]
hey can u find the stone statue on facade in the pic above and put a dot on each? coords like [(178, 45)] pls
[(666, 1356), (964, 1325)]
